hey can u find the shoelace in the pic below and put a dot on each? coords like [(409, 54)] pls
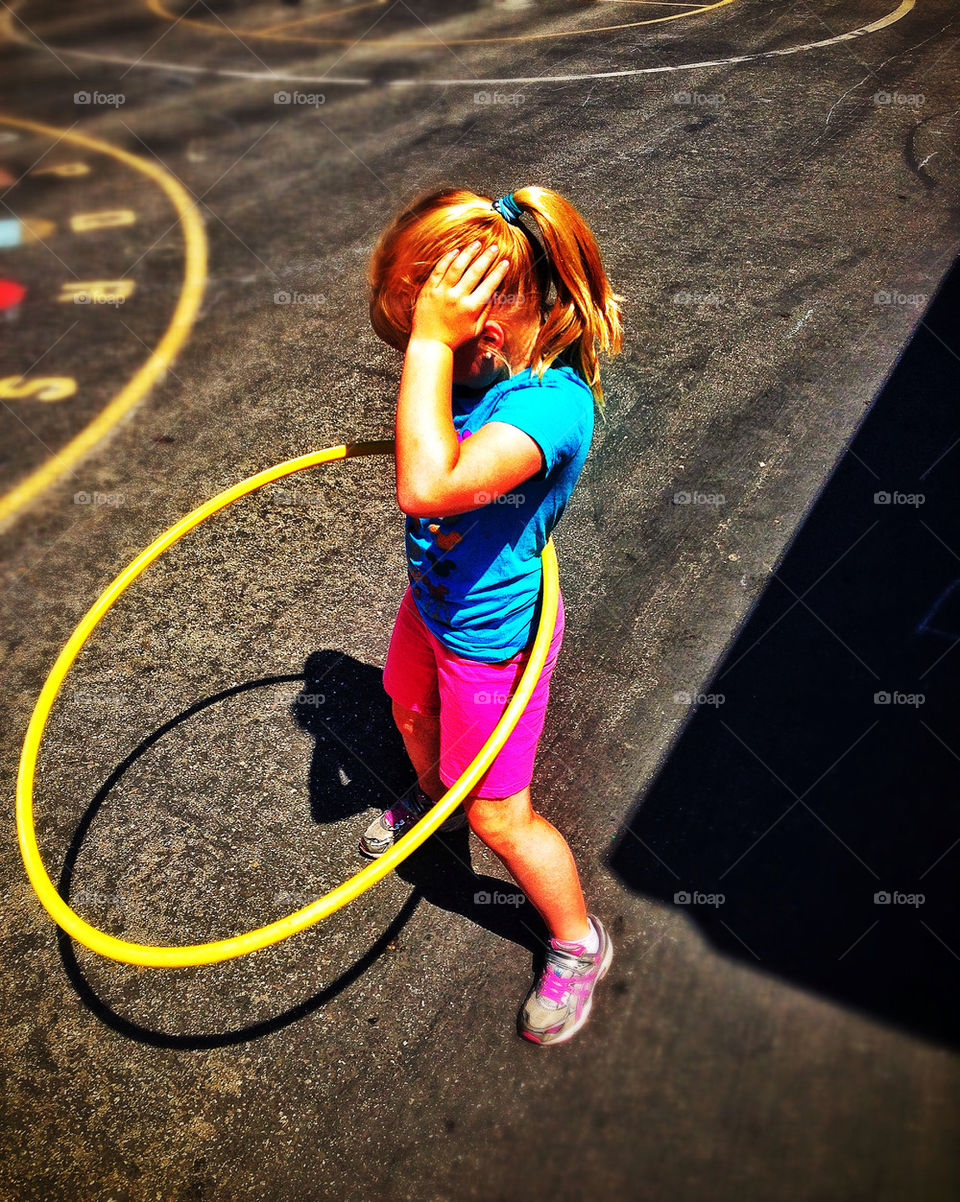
[(559, 976), (554, 987)]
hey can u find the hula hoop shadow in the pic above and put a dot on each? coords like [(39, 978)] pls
[(153, 956), (439, 873)]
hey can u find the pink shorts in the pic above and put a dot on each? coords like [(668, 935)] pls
[(425, 676)]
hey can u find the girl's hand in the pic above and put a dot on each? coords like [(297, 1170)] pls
[(454, 303)]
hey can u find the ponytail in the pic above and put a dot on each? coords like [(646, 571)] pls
[(582, 316)]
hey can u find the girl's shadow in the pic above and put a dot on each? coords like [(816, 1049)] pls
[(359, 765), (358, 758)]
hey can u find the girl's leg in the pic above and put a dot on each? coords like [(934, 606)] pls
[(421, 737), (532, 850), (537, 857)]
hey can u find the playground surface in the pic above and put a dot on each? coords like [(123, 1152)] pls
[(752, 738)]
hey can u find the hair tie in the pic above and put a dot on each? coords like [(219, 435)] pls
[(508, 208)]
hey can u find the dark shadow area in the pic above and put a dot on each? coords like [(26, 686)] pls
[(808, 815), (356, 729), (359, 757), (441, 873)]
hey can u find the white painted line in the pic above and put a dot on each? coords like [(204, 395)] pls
[(897, 14)]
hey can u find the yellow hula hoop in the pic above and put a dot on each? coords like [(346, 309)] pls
[(239, 945)]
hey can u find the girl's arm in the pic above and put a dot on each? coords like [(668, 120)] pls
[(436, 475)]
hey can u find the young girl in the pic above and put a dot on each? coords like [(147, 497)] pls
[(500, 333)]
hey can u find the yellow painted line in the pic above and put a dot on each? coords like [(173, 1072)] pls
[(6, 24), (160, 9), (285, 25), (163, 354)]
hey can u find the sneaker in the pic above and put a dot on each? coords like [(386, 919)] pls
[(560, 1002), (384, 831)]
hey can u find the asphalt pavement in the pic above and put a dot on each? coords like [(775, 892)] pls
[(751, 743)]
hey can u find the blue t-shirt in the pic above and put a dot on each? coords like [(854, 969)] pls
[(475, 576)]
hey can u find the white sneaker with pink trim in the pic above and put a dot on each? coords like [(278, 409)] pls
[(560, 1002), (406, 812)]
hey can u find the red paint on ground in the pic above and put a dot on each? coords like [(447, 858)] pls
[(11, 294)]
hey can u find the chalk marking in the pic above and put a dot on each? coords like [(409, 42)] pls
[(163, 354)]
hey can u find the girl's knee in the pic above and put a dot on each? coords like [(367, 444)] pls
[(499, 820)]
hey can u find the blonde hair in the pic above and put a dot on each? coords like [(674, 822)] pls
[(561, 283)]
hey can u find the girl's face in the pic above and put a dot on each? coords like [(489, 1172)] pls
[(472, 368)]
